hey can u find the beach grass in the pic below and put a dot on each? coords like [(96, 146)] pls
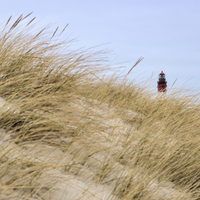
[(70, 131)]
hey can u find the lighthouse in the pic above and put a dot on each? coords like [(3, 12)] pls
[(162, 83)]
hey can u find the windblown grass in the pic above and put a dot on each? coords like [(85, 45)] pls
[(69, 133)]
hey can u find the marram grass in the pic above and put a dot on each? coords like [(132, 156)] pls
[(67, 132)]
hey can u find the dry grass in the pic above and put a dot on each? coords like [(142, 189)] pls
[(68, 133)]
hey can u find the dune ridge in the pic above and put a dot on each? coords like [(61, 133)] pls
[(70, 131)]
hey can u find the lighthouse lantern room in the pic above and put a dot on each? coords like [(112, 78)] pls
[(162, 83)]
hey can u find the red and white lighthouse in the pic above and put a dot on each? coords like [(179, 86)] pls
[(162, 83)]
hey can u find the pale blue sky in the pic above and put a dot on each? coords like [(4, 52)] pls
[(165, 32)]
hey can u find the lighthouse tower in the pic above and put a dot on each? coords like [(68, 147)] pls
[(162, 83)]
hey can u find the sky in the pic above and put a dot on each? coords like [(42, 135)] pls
[(165, 33)]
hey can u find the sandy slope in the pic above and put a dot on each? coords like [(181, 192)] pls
[(77, 184)]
